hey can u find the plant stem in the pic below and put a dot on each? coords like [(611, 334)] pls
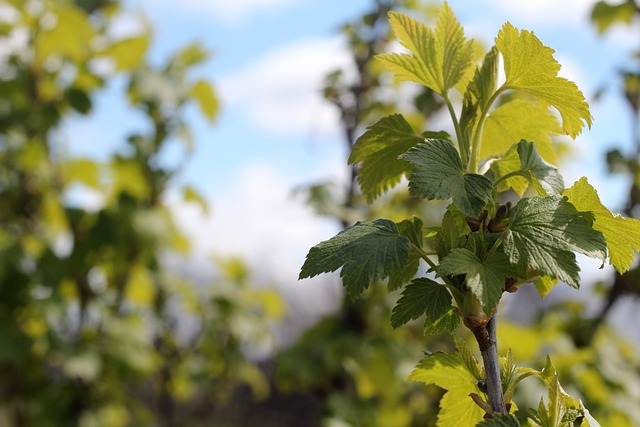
[(474, 155), (519, 172), (492, 368), (462, 143)]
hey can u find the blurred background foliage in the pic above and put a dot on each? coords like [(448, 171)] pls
[(98, 329)]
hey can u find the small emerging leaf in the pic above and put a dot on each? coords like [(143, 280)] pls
[(366, 251), (621, 234), (438, 173), (484, 278), (377, 151)]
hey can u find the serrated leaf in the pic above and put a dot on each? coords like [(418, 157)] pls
[(472, 364), (501, 420), (447, 323), (543, 233), (529, 66), (544, 177), (438, 59), (520, 119), (544, 284), (438, 174), (484, 278), (449, 372), (422, 296), (479, 92), (451, 234), (366, 251), (621, 234), (412, 229), (377, 151)]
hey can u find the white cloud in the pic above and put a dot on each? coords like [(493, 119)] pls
[(225, 11), (281, 91), (258, 219)]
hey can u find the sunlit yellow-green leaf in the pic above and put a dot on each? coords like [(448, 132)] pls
[(529, 66), (84, 171), (439, 57), (520, 119), (189, 194), (621, 234), (69, 37), (127, 54), (203, 93), (140, 288), (544, 285), (448, 371)]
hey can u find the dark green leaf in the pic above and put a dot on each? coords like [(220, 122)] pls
[(544, 176), (421, 296), (451, 234), (500, 420), (412, 229), (447, 323), (378, 149), (367, 251), (485, 278), (438, 174), (544, 232)]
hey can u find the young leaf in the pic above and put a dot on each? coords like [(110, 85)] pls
[(529, 66), (446, 323), (543, 176), (621, 234), (543, 232), (501, 420), (412, 229), (544, 284), (421, 296), (438, 174), (506, 125), (449, 372), (485, 278), (367, 251), (479, 92), (438, 59), (377, 150), (472, 364)]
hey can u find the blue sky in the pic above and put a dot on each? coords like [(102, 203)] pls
[(275, 133)]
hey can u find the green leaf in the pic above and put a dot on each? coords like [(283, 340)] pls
[(544, 177), (412, 229), (449, 372), (482, 87), (206, 98), (438, 174), (529, 66), (501, 420), (451, 234), (520, 119), (447, 323), (543, 233), (605, 15), (366, 251), (472, 364), (189, 194), (421, 296), (621, 234), (377, 151), (544, 284), (438, 59), (127, 54), (484, 278)]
